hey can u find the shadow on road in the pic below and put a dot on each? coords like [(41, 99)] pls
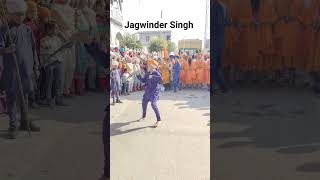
[(4, 134), (196, 99), (309, 167), (284, 121), (115, 128), (80, 109)]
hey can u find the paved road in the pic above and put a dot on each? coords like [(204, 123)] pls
[(178, 149), (264, 134), (69, 147)]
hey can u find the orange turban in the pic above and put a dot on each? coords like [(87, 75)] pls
[(153, 63), (43, 13), (31, 4)]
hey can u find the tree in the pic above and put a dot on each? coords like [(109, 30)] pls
[(171, 46), (157, 45), (131, 41)]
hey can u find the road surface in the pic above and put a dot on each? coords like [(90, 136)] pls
[(178, 149), (69, 146), (266, 133)]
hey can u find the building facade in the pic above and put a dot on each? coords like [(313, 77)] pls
[(190, 45), (146, 36), (116, 22)]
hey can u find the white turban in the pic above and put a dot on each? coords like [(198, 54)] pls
[(115, 63), (16, 6)]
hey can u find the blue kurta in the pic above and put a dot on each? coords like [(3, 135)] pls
[(152, 92), (26, 54), (27, 59), (152, 86), (176, 76), (176, 70), (115, 80)]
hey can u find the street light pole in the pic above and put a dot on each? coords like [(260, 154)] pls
[(205, 27)]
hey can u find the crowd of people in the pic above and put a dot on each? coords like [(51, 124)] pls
[(57, 47), (60, 48), (270, 37), (178, 71)]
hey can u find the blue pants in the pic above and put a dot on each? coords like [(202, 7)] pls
[(9, 80), (137, 83), (154, 106), (125, 87), (53, 74), (176, 83), (216, 76), (115, 89)]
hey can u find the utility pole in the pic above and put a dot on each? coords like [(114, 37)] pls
[(162, 54), (205, 27)]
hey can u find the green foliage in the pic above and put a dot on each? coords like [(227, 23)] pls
[(157, 45), (171, 46), (131, 41)]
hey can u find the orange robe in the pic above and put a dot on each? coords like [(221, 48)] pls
[(289, 33), (206, 72), (247, 36), (199, 71), (193, 75), (266, 16), (311, 15), (164, 73), (188, 73), (183, 71)]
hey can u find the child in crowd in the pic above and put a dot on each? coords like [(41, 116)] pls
[(115, 77), (52, 65), (125, 82)]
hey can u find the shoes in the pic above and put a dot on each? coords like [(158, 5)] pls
[(61, 103), (47, 103), (12, 133), (34, 105), (33, 127), (141, 119), (118, 101), (68, 95), (157, 124)]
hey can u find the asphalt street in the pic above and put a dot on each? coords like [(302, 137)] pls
[(266, 134), (69, 146), (179, 149)]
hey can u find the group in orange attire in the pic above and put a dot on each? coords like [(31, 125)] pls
[(194, 71), (272, 37)]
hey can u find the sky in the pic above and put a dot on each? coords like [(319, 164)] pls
[(139, 11)]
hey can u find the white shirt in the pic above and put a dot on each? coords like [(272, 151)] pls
[(48, 45)]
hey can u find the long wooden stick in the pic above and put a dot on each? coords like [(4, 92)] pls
[(24, 110)]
